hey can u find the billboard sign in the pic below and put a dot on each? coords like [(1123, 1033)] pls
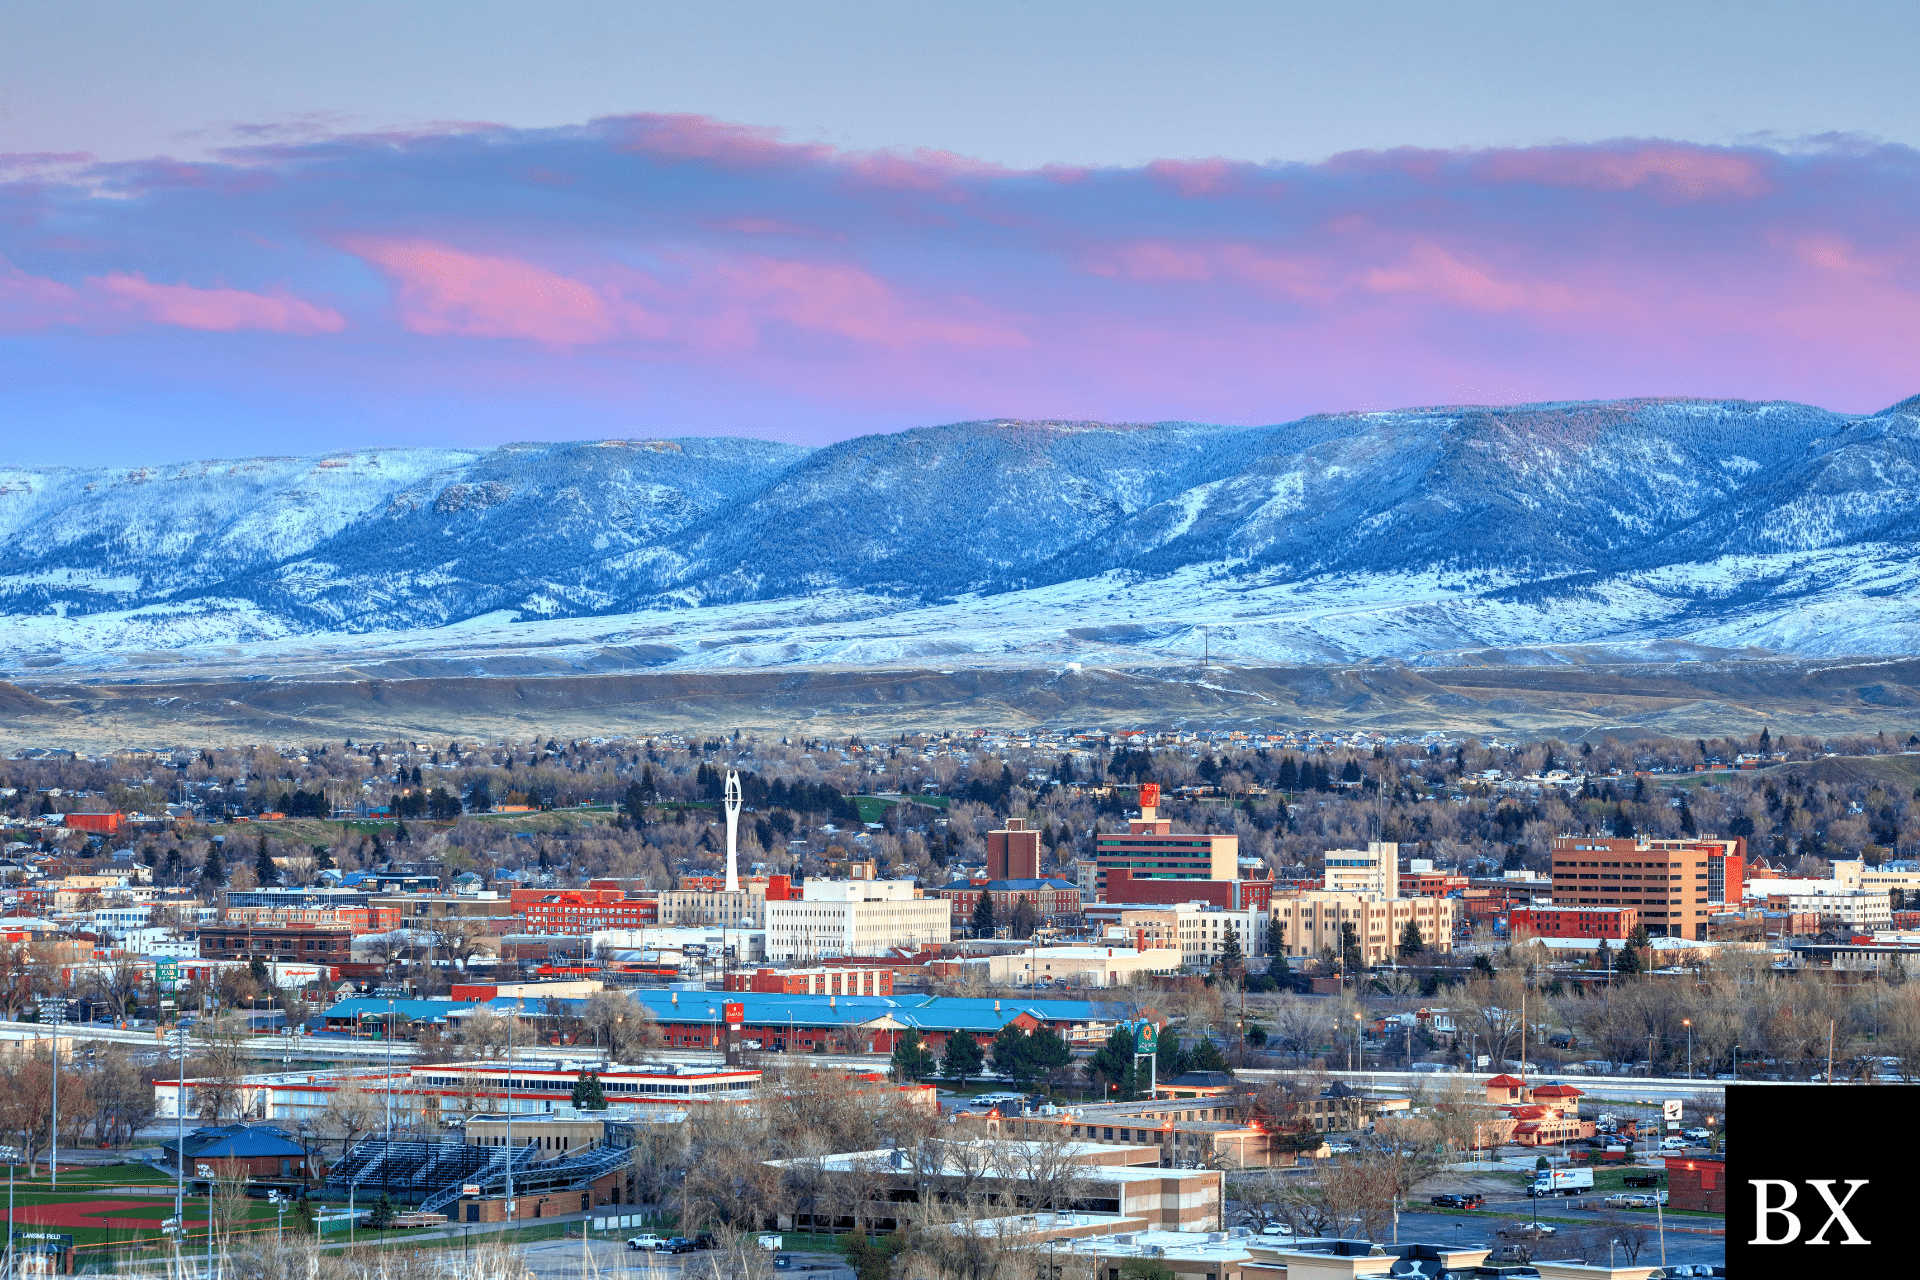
[(733, 1014), (1146, 1037), (1149, 795)]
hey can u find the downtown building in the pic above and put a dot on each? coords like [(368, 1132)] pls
[(855, 918), (1150, 849), (1676, 885)]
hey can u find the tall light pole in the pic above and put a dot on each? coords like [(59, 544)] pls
[(1688, 1024), (733, 835), (389, 992), (177, 1045), (53, 1010)]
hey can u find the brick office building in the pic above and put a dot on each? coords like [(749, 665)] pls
[(1152, 850), (1013, 852), (1574, 922), (328, 943), (1675, 884)]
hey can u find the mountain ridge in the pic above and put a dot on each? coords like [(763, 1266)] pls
[(1374, 534)]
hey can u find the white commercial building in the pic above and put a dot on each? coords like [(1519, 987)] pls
[(1197, 930), (855, 918), (1828, 899), (1375, 869), (1079, 966)]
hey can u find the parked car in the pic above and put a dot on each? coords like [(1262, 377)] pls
[(647, 1241), (1630, 1200), (1276, 1229), (706, 1240), (1473, 1201), (1696, 1135), (679, 1244), (1673, 1144), (1340, 1148), (1528, 1231)]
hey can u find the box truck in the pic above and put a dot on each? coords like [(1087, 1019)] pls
[(1562, 1182)]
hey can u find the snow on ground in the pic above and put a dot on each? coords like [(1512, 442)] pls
[(1855, 600)]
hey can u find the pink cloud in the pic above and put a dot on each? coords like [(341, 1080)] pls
[(1430, 270), (1692, 172), (218, 310), (30, 302), (847, 302), (446, 292)]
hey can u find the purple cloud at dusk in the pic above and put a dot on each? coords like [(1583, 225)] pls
[(674, 275)]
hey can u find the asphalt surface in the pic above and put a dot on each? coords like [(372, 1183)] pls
[(1478, 1229)]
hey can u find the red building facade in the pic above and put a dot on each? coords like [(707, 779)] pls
[(1574, 922)]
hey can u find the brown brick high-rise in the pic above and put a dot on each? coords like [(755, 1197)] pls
[(1013, 852)]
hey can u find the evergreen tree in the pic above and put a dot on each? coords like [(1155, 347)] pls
[(1169, 1058), (1207, 1056), (912, 1060), (1411, 943), (1010, 1054), (480, 796), (213, 871), (1232, 960), (1766, 742), (1046, 1052), (1482, 965), (1622, 824), (382, 1215), (1112, 1067), (263, 868), (983, 925), (1629, 962), (1603, 957), (1687, 826), (634, 801), (963, 1057), (587, 1093)]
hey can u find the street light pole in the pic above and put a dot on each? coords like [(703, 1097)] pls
[(177, 1041), (53, 1009), (1688, 1024)]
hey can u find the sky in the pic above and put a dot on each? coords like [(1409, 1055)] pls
[(234, 228)]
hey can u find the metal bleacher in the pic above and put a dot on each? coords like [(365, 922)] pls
[(433, 1174)]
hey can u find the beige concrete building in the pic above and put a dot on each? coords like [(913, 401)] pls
[(746, 909), (1308, 922), (1182, 1200)]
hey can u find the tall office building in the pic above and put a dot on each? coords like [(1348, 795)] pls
[(1676, 884), (1013, 852), (1152, 850)]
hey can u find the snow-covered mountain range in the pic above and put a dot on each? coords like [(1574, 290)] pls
[(1635, 525)]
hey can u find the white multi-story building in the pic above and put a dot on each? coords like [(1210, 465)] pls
[(1856, 874), (1197, 930), (1830, 900), (1375, 869), (854, 918)]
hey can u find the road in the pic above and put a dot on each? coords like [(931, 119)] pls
[(1477, 1230)]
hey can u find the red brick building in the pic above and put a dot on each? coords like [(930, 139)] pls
[(1698, 1183), (1050, 898), (1430, 884), (326, 943), (101, 824), (1013, 852), (578, 911), (1231, 895), (1574, 922)]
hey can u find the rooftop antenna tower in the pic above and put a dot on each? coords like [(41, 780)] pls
[(733, 831)]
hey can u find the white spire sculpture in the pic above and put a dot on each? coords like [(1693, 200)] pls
[(733, 831)]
